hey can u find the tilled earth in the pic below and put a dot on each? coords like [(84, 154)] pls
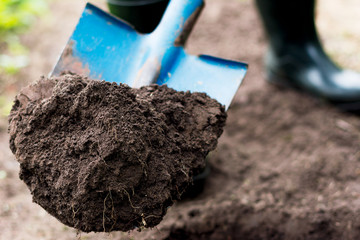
[(305, 187), (286, 167)]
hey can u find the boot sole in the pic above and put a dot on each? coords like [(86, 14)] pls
[(284, 83)]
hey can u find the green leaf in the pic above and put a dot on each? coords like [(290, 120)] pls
[(16, 17)]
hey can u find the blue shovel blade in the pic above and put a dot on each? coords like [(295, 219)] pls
[(106, 48)]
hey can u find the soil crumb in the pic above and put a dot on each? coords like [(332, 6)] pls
[(100, 156)]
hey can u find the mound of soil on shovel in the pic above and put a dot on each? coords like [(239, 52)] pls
[(102, 157)]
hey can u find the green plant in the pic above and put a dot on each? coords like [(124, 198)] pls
[(16, 16)]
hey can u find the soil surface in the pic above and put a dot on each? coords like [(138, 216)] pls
[(306, 187), (286, 167), (104, 157)]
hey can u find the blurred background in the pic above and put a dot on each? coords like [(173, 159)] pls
[(33, 33)]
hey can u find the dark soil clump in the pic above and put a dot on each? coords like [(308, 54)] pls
[(103, 157)]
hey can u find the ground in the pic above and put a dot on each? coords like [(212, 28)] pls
[(286, 167)]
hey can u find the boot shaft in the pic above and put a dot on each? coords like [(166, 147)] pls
[(288, 22), (144, 15)]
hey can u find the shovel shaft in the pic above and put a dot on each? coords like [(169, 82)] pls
[(177, 22), (164, 44)]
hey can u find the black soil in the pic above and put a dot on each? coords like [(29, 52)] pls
[(103, 157)]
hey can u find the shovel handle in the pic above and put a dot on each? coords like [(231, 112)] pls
[(178, 21)]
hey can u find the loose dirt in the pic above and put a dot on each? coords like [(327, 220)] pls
[(306, 187), (286, 167), (103, 157)]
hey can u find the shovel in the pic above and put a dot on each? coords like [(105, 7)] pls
[(106, 48)]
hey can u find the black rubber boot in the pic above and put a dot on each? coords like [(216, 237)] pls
[(144, 15), (198, 184), (297, 59)]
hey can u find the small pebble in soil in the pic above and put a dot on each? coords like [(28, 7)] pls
[(104, 157)]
